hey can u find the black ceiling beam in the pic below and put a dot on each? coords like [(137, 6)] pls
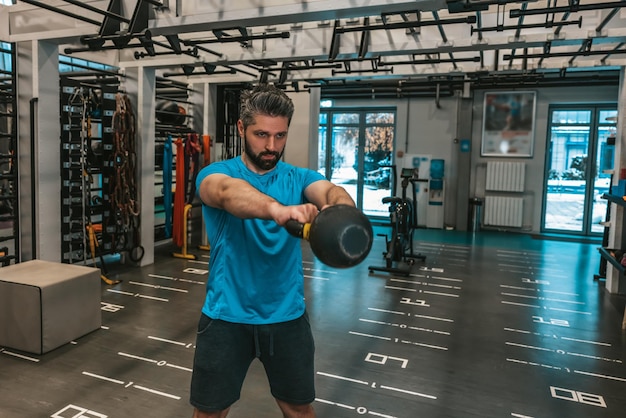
[(607, 18), (193, 73), (585, 47), (365, 40), (109, 25), (293, 67), (224, 39), (406, 25), (62, 12), (507, 57), (617, 48), (548, 25), (333, 51), (373, 70), (577, 7), (431, 61), (174, 42)]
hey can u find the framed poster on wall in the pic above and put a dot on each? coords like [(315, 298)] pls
[(508, 124)]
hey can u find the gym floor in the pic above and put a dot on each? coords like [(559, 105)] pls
[(490, 325)]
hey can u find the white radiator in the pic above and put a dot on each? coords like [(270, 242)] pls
[(504, 176), (503, 211)]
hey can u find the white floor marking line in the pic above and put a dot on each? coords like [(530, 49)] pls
[(558, 337), (441, 294), (530, 363), (136, 357), (206, 263), (532, 347), (520, 331), (519, 415), (445, 286), (370, 335), (173, 366), (594, 357), (408, 289), (156, 286), (360, 410), (569, 353), (373, 385), (586, 341), (541, 298), (157, 362), (520, 304), (10, 353), (447, 279), (82, 412), (157, 392), (422, 395), (334, 376), (434, 318), (570, 311), (404, 326), (137, 295), (153, 298), (602, 376), (315, 277), (320, 270), (108, 379), (120, 382), (539, 290), (186, 345), (165, 340), (436, 347), (176, 279)]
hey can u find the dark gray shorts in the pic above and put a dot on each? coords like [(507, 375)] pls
[(225, 350)]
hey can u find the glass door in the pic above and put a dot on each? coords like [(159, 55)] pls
[(578, 170), (355, 149)]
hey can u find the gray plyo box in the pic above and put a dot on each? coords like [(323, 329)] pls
[(44, 305)]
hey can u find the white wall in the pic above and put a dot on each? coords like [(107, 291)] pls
[(297, 149), (536, 164)]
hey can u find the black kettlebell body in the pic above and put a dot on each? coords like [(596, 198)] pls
[(340, 236)]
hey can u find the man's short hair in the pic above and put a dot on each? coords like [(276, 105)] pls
[(264, 99)]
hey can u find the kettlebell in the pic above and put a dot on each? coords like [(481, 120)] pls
[(340, 236)]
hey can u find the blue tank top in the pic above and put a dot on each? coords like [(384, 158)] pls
[(255, 269)]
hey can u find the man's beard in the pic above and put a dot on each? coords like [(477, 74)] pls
[(258, 160)]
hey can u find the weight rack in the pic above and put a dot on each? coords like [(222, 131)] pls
[(9, 190), (86, 148)]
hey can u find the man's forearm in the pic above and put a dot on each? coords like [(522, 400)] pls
[(238, 198), (337, 195)]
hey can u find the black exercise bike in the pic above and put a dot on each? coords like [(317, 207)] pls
[(399, 244)]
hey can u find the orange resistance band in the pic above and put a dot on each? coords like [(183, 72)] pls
[(179, 195), (206, 149)]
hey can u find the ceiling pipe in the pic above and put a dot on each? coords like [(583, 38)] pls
[(333, 50), (443, 35), (246, 38), (606, 20), (518, 31), (184, 73), (507, 57), (463, 6), (431, 61), (563, 9), (365, 39), (603, 59), (407, 25), (585, 47), (527, 26)]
